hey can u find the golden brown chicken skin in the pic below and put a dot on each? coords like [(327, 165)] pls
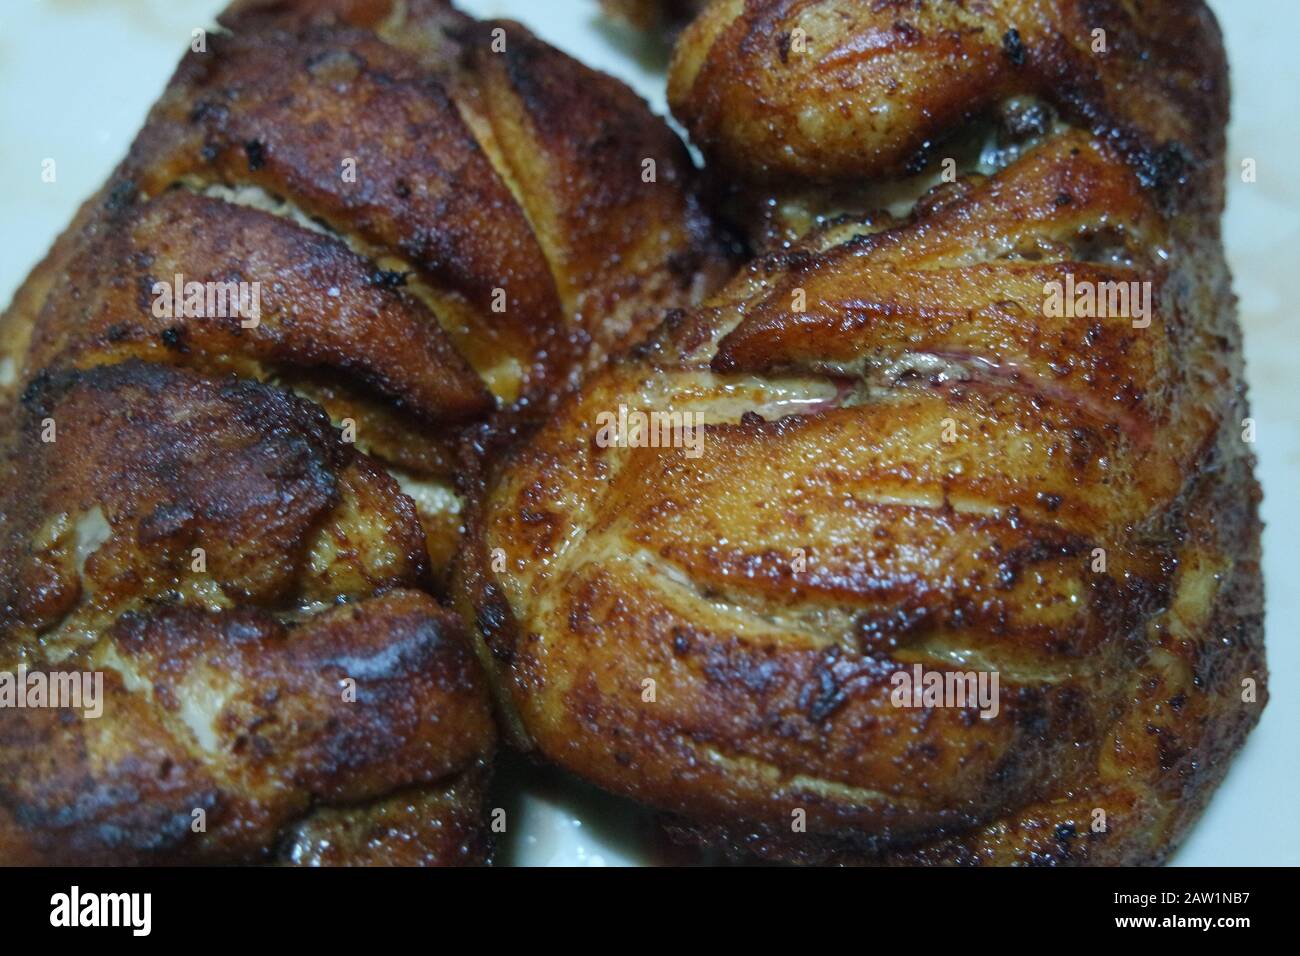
[(908, 459), (238, 520)]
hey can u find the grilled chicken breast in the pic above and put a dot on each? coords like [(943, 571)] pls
[(883, 453), (236, 516)]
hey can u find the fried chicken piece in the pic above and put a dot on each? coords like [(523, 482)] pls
[(803, 107), (905, 458), (445, 216), (446, 221), (248, 587)]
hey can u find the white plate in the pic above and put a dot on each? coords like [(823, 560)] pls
[(79, 75)]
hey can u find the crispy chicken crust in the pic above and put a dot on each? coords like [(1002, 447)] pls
[(908, 459), (239, 525)]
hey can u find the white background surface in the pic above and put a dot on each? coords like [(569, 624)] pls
[(77, 77)]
